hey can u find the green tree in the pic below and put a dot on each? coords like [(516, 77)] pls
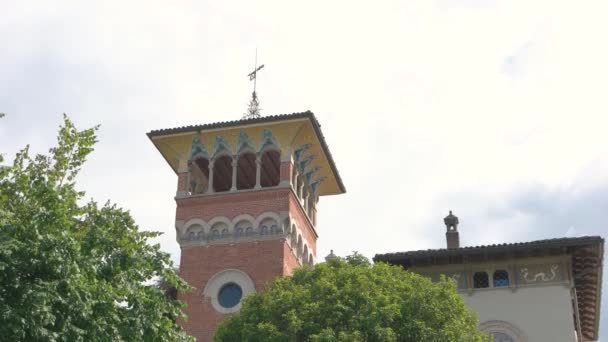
[(72, 270), (352, 300)]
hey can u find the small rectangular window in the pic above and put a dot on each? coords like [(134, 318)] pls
[(501, 278), (480, 280)]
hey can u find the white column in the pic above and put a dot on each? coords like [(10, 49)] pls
[(258, 171), (234, 170), (210, 187)]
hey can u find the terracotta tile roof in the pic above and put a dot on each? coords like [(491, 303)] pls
[(264, 119), (587, 259), (501, 247)]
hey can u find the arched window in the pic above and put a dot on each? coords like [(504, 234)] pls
[(194, 232), (222, 174), (271, 168), (199, 175), (245, 172), (305, 255), (249, 231), (224, 233), (218, 230), (501, 337), (274, 229), (300, 246), (241, 227), (266, 226), (502, 331), (480, 280), (294, 236), (501, 278), (286, 228)]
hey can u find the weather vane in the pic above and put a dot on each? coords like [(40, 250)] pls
[(253, 110)]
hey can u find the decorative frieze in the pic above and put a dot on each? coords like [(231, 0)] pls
[(244, 228), (543, 273)]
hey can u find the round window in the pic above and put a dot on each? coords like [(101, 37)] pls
[(230, 295)]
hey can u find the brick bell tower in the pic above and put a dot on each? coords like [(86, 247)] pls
[(247, 195)]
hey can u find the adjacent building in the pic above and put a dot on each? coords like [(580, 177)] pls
[(546, 290)]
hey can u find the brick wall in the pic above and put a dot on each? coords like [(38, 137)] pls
[(261, 260), (299, 215), (286, 171), (290, 263), (182, 182), (233, 204), (253, 203)]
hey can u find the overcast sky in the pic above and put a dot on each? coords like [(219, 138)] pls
[(494, 109)]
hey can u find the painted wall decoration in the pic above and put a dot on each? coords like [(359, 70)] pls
[(314, 187), (198, 149), (299, 152), (309, 174), (268, 141), (540, 273), (221, 146), (244, 143), (303, 164)]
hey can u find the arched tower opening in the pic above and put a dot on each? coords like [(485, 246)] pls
[(222, 174), (199, 175), (245, 171), (271, 168)]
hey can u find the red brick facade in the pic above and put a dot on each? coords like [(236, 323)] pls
[(299, 215), (254, 203), (286, 171), (232, 204), (261, 259), (182, 182)]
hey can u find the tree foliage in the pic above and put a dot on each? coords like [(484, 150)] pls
[(353, 300), (72, 271)]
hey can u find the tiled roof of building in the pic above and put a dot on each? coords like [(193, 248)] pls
[(440, 252), (587, 254), (264, 119)]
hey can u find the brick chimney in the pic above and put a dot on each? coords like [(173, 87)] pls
[(451, 235)]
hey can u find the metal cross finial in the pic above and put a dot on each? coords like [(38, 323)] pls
[(253, 75), (253, 111)]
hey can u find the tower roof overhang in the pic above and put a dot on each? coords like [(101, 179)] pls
[(291, 132)]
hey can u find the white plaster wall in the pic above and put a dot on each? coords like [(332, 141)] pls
[(542, 313)]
